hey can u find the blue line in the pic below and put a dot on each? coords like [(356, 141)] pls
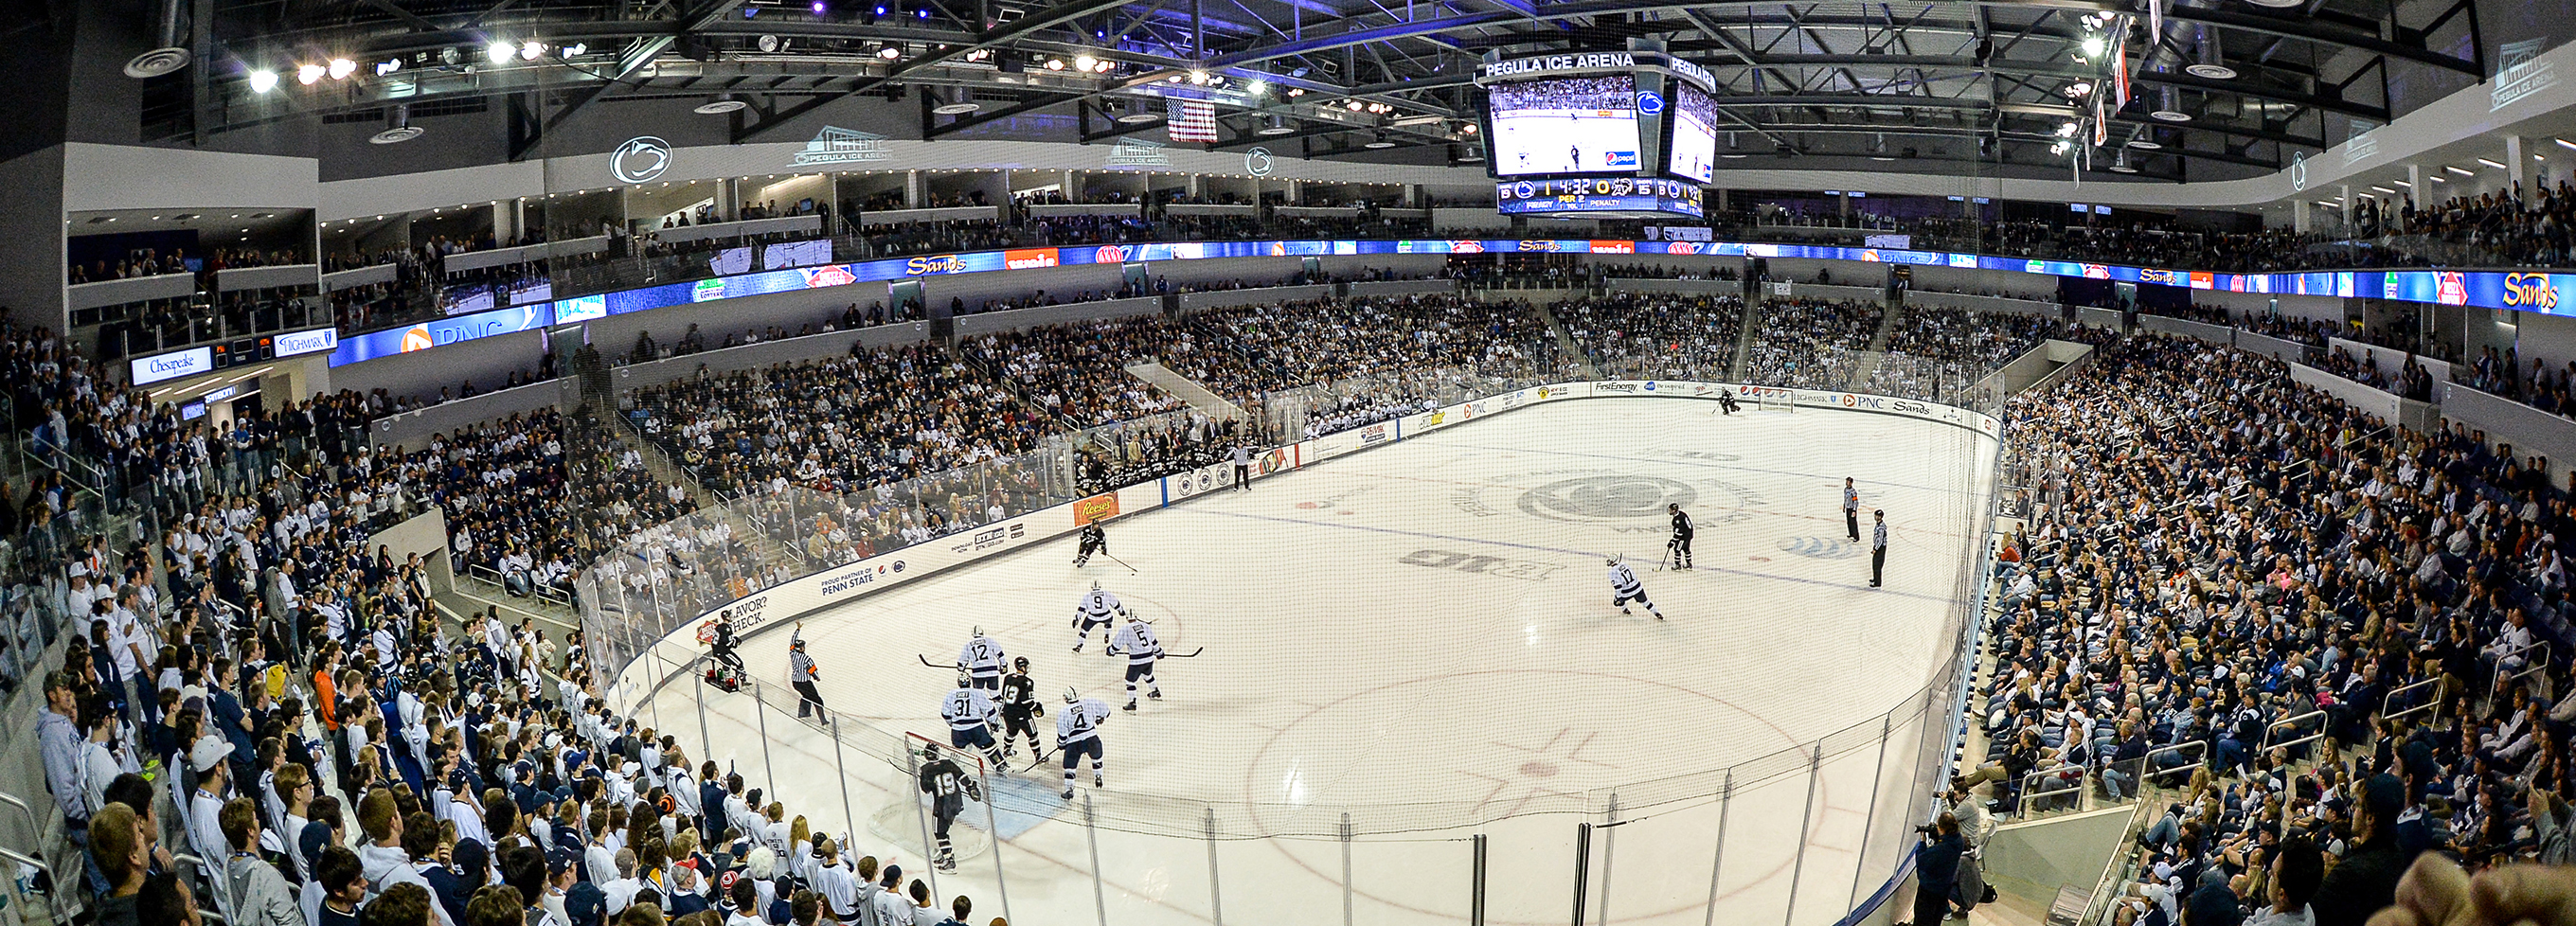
[(1526, 546), (1705, 463)]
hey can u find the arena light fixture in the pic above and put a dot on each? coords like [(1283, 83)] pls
[(2403, 184), (2563, 143), (2094, 46), (1353, 105), (1103, 66), (2120, 164), (2066, 129), (531, 50), (384, 68), (500, 52), (1278, 125), (1055, 64), (1256, 87), (309, 74), (1295, 92), (341, 68), (2490, 162), (1198, 77), (263, 80), (2385, 190), (1083, 62), (2144, 143), (889, 53), (2457, 169), (721, 105)]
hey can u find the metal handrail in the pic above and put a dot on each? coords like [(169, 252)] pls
[(490, 576), (2529, 666), (62, 904), (212, 912), (35, 829), (2021, 801), (2287, 723), (2199, 747), (2437, 683)]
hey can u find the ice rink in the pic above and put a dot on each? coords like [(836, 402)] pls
[(1418, 640)]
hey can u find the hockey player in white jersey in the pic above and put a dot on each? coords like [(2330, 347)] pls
[(1094, 609), (1138, 642), (971, 717), (1077, 734), (1625, 588), (983, 659)]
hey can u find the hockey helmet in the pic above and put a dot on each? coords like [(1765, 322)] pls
[(1095, 585), (1071, 695), (1020, 662), (929, 752), (1612, 561), (965, 679), (979, 630)]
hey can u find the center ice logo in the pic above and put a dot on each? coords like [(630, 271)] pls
[(1617, 500), (1607, 498)]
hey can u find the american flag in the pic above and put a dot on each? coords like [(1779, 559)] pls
[(1191, 120)]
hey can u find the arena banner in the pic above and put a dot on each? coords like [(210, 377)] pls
[(1095, 509), (2519, 291)]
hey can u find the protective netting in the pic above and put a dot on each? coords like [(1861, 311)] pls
[(641, 598)]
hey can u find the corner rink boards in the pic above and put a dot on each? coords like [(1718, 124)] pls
[(1417, 643)]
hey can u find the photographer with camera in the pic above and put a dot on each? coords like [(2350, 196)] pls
[(1936, 868)]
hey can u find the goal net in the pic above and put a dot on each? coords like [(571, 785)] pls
[(1776, 400)]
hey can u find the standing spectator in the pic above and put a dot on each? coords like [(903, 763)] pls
[(1936, 866), (259, 893), (2366, 879)]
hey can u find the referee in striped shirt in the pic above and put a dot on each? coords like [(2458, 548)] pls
[(801, 672), (1851, 508), (1877, 546)]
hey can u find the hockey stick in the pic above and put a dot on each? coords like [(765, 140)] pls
[(925, 660), (1183, 655), (1131, 570)]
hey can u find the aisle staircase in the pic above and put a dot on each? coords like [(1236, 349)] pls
[(1565, 342), (1215, 406), (1744, 340), (1871, 356)]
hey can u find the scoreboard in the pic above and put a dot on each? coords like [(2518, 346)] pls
[(1628, 133), (1569, 195)]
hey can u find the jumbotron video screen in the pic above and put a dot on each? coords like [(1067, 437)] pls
[(1566, 125)]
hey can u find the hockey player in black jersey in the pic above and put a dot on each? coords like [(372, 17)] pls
[(948, 786), (1680, 545), (1020, 709), (1094, 540)]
